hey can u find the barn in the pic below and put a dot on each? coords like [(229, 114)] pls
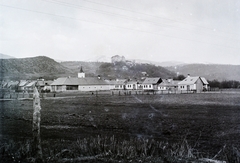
[(80, 83)]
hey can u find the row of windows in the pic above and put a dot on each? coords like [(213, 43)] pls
[(147, 86), (90, 87), (182, 86)]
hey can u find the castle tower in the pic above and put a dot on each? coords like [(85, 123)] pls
[(81, 74)]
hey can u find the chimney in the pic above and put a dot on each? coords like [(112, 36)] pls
[(99, 77), (169, 80), (188, 75)]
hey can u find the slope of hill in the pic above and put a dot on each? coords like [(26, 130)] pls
[(118, 70), (163, 64), (4, 56), (31, 68), (123, 70), (210, 71), (90, 68)]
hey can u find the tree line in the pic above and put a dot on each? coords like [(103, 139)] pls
[(224, 84)]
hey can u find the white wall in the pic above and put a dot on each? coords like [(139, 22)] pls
[(93, 87)]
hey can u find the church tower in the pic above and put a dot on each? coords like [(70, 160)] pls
[(81, 74)]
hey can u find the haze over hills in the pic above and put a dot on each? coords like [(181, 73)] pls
[(4, 56), (163, 64), (209, 71)]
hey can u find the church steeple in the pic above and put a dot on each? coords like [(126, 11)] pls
[(81, 74), (81, 70)]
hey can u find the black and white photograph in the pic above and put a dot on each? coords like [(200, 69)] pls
[(120, 81)]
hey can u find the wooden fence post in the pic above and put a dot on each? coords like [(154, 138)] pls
[(37, 149)]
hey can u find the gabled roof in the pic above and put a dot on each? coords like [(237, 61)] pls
[(192, 80), (152, 80), (117, 82), (12, 83), (79, 81), (169, 82), (32, 83), (23, 83), (204, 81), (189, 80)]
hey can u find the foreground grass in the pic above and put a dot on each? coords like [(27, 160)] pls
[(110, 149)]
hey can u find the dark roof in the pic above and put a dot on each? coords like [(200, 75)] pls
[(79, 81), (152, 80), (169, 82)]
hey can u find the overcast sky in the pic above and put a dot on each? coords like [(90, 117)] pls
[(190, 31)]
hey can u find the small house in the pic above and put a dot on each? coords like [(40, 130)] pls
[(151, 83), (168, 85), (195, 84)]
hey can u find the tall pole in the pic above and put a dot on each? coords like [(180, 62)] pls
[(37, 149)]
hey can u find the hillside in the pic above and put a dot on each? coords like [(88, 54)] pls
[(210, 71), (31, 68), (123, 70), (118, 70), (90, 68)]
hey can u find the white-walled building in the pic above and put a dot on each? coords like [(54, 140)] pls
[(81, 83), (151, 83), (196, 84)]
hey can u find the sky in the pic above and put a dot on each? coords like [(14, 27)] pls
[(188, 31)]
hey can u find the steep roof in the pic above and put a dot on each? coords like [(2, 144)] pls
[(204, 81), (23, 83), (32, 83), (169, 82), (79, 81), (12, 83), (152, 80), (189, 80)]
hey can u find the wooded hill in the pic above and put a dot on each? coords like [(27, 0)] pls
[(118, 70), (31, 68), (47, 68)]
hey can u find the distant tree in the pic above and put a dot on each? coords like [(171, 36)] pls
[(179, 77), (224, 84), (214, 84)]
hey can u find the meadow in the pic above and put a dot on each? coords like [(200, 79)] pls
[(126, 128)]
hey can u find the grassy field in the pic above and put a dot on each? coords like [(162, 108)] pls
[(131, 128)]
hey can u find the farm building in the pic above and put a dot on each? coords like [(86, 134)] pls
[(134, 85), (21, 85), (151, 83), (30, 86), (81, 83), (168, 85), (44, 85), (118, 84), (196, 84)]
